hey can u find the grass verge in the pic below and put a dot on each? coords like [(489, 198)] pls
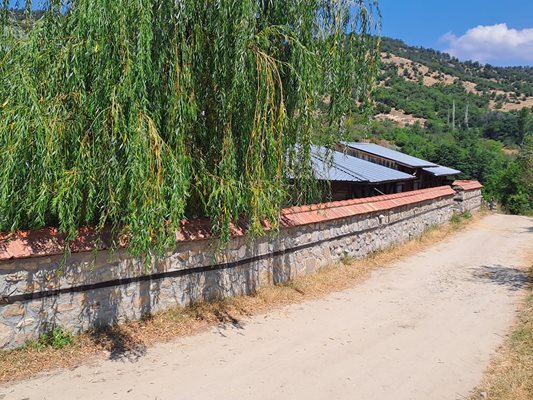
[(510, 374), (130, 340)]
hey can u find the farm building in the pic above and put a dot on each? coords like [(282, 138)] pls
[(425, 173), (351, 177)]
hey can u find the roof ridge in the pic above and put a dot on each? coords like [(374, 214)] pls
[(355, 145)]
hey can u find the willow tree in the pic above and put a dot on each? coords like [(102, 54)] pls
[(137, 114)]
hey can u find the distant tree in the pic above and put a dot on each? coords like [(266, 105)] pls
[(524, 125), (512, 186), (525, 161)]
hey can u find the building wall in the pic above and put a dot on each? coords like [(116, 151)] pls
[(98, 288), (350, 190), (423, 179)]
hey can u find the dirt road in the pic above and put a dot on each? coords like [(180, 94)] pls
[(423, 329)]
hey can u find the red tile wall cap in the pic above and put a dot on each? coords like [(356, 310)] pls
[(295, 216), (423, 194), (49, 241), (467, 185)]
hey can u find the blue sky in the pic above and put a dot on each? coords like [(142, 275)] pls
[(450, 25), (499, 32)]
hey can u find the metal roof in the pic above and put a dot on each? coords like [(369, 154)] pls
[(335, 166), (393, 155), (439, 170)]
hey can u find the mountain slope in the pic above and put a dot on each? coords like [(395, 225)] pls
[(471, 117), (426, 85), (512, 80)]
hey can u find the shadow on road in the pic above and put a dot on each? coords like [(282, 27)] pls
[(120, 345), (512, 278)]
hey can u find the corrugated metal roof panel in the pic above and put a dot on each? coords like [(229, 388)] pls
[(331, 172), (442, 171), (384, 152), (336, 166)]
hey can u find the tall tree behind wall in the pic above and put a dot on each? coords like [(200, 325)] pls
[(138, 113)]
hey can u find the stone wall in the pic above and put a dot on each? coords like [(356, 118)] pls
[(468, 196), (472, 200), (40, 289)]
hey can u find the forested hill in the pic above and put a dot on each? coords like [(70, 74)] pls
[(423, 85), (517, 80), (472, 117)]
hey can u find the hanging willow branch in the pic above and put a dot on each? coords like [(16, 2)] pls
[(139, 113)]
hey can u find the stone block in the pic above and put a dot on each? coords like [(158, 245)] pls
[(25, 323), (183, 256), (16, 277), (13, 310), (65, 307), (6, 333)]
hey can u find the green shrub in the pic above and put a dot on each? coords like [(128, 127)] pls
[(57, 339), (458, 218), (455, 219), (519, 203)]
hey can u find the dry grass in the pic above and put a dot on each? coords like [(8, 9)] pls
[(401, 118), (429, 78), (131, 339), (528, 103), (510, 375)]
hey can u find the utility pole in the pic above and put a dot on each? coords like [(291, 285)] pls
[(453, 116), (466, 116)]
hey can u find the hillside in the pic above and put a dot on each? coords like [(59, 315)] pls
[(512, 80), (418, 84), (475, 118)]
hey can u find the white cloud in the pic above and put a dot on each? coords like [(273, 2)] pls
[(493, 44)]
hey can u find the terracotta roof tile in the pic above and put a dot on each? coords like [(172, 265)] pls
[(48, 242), (467, 185)]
